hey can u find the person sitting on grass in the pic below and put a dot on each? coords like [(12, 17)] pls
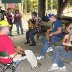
[(15, 53)]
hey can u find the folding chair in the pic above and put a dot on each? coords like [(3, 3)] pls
[(4, 67)]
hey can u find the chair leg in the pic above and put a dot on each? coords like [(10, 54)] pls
[(13, 69), (6, 68), (2, 70)]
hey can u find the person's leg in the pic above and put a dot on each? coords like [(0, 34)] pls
[(17, 25), (62, 53), (11, 29), (58, 52), (27, 37), (21, 27), (31, 58), (45, 46), (57, 61), (43, 50), (32, 34), (18, 58)]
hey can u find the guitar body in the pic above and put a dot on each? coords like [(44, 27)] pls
[(68, 38), (31, 24), (48, 38)]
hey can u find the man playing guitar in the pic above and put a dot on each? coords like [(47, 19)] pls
[(65, 50), (36, 21), (56, 35)]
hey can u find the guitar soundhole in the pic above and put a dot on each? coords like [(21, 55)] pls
[(66, 40)]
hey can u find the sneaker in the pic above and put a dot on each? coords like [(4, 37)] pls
[(39, 64), (50, 49), (32, 45), (62, 68), (40, 57), (54, 67)]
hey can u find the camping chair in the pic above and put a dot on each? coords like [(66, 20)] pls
[(4, 67)]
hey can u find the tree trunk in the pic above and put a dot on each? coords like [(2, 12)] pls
[(22, 6), (41, 9), (61, 5), (46, 6), (25, 6), (52, 6), (31, 4)]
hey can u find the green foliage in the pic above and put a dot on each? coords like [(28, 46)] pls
[(30, 4)]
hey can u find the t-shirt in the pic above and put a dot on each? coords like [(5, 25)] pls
[(56, 25), (2, 13), (6, 45)]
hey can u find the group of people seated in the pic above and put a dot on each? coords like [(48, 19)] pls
[(58, 43)]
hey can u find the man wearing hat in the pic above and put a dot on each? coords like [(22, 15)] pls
[(56, 35), (2, 13), (6, 45)]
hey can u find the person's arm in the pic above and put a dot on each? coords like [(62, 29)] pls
[(66, 41), (57, 32), (20, 50)]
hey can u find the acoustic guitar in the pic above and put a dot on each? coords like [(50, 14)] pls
[(67, 48), (31, 24)]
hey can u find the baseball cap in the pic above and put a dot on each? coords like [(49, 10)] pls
[(4, 23), (49, 15)]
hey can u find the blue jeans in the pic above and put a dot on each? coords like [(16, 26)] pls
[(46, 45), (60, 52), (19, 24), (30, 36)]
